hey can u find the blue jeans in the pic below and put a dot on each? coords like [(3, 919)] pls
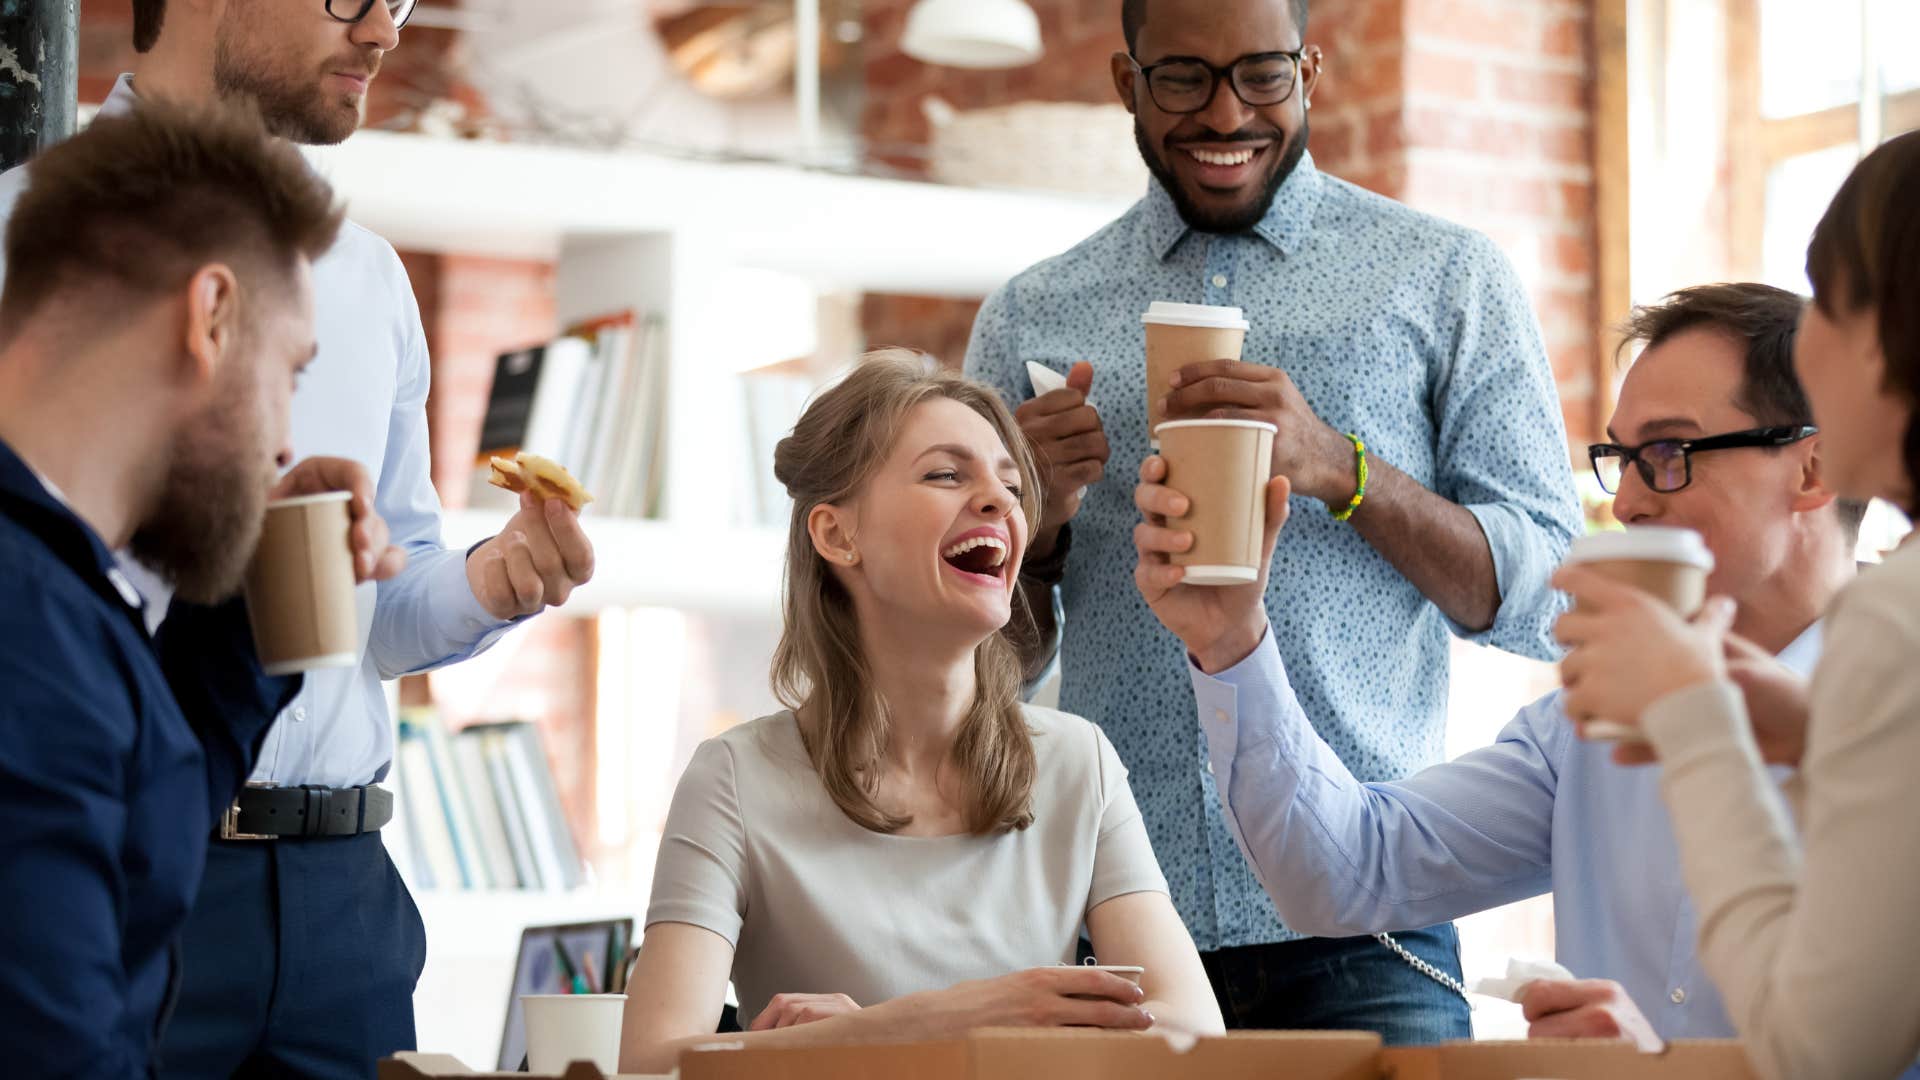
[(1344, 984)]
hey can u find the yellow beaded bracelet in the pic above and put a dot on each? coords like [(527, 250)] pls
[(1360, 467)]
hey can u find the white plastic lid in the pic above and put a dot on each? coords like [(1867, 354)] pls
[(1644, 543), (1261, 425), (307, 500), (1167, 313)]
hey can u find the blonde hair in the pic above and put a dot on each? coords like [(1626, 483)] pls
[(838, 444)]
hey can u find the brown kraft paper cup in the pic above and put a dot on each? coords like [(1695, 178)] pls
[(300, 585), (1222, 467), (1669, 563), (1182, 334), (1170, 348)]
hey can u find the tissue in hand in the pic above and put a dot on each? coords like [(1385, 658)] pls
[(1519, 974)]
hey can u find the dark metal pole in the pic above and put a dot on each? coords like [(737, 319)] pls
[(39, 75)]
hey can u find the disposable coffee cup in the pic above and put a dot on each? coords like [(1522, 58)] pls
[(565, 1028), (1182, 334), (300, 586), (1222, 467), (1670, 563)]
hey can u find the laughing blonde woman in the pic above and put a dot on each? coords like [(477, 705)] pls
[(908, 851)]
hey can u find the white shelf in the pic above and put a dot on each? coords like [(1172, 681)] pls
[(853, 232), (643, 563)]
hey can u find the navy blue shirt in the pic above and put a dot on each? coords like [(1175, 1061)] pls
[(108, 794)]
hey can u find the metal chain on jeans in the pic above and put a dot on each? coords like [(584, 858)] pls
[(1423, 967)]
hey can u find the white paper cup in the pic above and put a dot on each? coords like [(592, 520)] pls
[(565, 1028)]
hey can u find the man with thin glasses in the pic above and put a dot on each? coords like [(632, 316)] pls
[(303, 947), (1540, 810)]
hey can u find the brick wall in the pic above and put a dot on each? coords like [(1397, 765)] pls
[(936, 325), (1476, 110), (1079, 37)]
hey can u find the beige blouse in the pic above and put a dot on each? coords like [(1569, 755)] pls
[(756, 851), (1813, 941)]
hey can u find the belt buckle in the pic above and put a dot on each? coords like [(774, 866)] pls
[(230, 820)]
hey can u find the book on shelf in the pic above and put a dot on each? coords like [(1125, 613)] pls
[(481, 808), (774, 400), (594, 400)]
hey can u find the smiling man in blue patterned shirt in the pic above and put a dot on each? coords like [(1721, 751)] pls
[(1368, 318)]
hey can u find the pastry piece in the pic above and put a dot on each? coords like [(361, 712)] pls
[(544, 477)]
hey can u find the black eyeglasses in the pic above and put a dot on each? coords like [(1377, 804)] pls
[(1667, 464), (1186, 84), (352, 11)]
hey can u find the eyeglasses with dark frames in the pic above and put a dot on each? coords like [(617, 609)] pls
[(1666, 465), (1187, 84), (352, 11)]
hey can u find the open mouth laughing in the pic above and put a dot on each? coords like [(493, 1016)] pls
[(979, 555)]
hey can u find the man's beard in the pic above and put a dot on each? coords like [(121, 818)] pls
[(202, 533), (1239, 219), (291, 108)]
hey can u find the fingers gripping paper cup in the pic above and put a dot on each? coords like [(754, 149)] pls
[(1671, 563)]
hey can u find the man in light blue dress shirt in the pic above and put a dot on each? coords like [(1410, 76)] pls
[(1407, 332), (303, 948), (1540, 810)]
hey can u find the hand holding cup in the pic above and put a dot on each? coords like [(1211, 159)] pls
[(1220, 625), (1629, 649), (1306, 449), (374, 559)]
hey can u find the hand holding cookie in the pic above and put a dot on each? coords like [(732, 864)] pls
[(542, 554)]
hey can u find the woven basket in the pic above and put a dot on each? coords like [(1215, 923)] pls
[(1043, 145)]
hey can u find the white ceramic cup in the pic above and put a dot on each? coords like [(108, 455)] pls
[(565, 1028)]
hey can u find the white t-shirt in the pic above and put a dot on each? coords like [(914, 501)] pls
[(756, 851)]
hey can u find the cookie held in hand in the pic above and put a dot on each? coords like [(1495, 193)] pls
[(545, 478)]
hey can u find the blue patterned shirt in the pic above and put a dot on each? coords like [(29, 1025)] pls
[(1409, 331)]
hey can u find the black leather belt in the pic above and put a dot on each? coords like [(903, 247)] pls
[(303, 813)]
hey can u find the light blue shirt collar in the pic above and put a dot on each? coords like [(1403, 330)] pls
[(1285, 224)]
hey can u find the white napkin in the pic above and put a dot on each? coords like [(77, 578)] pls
[(1045, 379), (1519, 974)]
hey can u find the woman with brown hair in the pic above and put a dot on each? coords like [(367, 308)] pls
[(909, 852), (1809, 939)]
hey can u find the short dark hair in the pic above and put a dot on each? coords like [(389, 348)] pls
[(1133, 15), (147, 17), (136, 204), (1763, 320), (1865, 256)]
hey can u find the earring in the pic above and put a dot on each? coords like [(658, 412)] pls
[(851, 556)]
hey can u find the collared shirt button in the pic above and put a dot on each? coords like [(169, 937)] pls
[(1219, 281), (1679, 996), (299, 714)]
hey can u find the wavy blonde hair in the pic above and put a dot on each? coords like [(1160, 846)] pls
[(840, 442)]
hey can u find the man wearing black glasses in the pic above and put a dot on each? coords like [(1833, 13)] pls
[(303, 948), (1722, 442), (1400, 360)]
